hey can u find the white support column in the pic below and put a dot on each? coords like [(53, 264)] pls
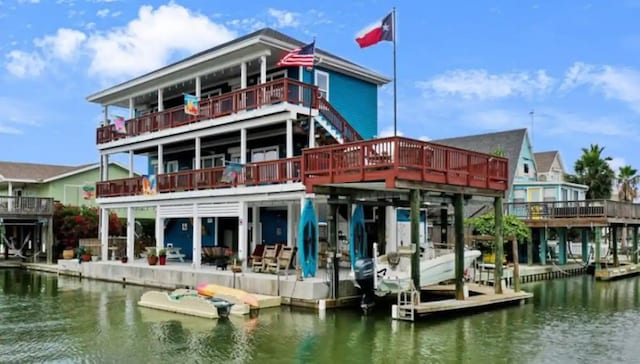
[(49, 242), (10, 194), (216, 220), (243, 146), (131, 228), (290, 224), (255, 218), (198, 154), (105, 171), (197, 238), (104, 234), (160, 169), (312, 133), (132, 108), (263, 69), (131, 163), (289, 138), (242, 233), (106, 114), (243, 75), (160, 100), (159, 230), (198, 87)]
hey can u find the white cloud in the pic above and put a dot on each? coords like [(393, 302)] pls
[(63, 45), (387, 131), (24, 64), (618, 83), (149, 41), (28, 1), (5, 129), (249, 24), (15, 114), (284, 18), (482, 85), (616, 162), (102, 13), (116, 14)]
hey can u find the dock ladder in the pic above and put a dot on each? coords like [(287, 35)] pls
[(407, 302)]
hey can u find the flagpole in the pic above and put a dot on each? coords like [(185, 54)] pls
[(313, 81), (395, 79)]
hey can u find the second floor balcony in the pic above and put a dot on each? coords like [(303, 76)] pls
[(25, 206), (575, 212)]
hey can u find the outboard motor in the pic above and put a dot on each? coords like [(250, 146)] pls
[(364, 279)]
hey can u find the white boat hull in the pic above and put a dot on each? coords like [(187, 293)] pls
[(393, 279)]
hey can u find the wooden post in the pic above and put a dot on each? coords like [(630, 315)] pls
[(333, 243), (458, 213), (635, 244), (543, 246), (614, 243), (598, 236), (415, 236), (497, 273), (529, 252), (444, 224), (381, 230), (516, 265), (562, 245), (585, 246)]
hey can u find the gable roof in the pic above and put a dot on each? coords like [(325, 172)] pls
[(266, 36), (544, 160), (39, 173), (510, 141)]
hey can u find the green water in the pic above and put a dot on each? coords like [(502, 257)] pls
[(45, 318)]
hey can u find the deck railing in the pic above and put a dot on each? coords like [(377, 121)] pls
[(253, 97), (13, 205), (252, 174), (349, 134), (574, 209), (394, 158)]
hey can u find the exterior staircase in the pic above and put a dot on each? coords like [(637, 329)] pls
[(335, 124)]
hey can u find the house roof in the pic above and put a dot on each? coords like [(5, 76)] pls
[(509, 141), (36, 173), (544, 160), (267, 36)]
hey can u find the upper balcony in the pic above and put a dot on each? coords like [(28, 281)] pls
[(25, 206), (575, 213), (250, 98), (399, 162)]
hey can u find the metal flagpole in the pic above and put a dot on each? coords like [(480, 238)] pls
[(313, 81), (395, 77)]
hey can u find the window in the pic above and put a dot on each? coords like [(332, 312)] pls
[(576, 195), (276, 75), (209, 161), (322, 81), (264, 154), (526, 168)]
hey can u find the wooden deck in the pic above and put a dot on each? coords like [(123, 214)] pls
[(611, 273), (480, 297), (589, 213), (29, 207)]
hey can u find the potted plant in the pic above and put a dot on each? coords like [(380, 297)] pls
[(68, 252), (84, 253), (152, 257), (162, 256), (124, 259)]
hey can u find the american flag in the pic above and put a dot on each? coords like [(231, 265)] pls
[(300, 56)]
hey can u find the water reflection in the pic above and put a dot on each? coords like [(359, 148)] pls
[(573, 320)]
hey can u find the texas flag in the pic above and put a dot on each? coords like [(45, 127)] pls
[(378, 32)]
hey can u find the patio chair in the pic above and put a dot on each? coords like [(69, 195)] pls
[(258, 251), (269, 255), (283, 261), (207, 255)]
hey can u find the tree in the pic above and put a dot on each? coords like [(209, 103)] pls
[(71, 223), (627, 183), (512, 226), (593, 170)]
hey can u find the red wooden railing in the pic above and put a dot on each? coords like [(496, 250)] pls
[(262, 173), (349, 134), (283, 90), (396, 158)]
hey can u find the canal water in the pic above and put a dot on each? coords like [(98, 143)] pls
[(46, 318)]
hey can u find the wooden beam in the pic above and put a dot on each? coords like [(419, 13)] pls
[(635, 244), (416, 202), (497, 273), (598, 236), (458, 212)]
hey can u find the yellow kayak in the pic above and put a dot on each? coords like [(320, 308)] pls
[(236, 296)]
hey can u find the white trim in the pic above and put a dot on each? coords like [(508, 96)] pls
[(315, 82), (77, 171)]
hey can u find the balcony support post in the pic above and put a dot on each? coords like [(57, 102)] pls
[(458, 213), (49, 240), (263, 69), (198, 154), (215, 230), (243, 146), (160, 169), (585, 245), (130, 163), (312, 132), (243, 75), (198, 87), (634, 233), (104, 234), (105, 167), (290, 224), (614, 243), (132, 108), (242, 233), (597, 238), (159, 230), (255, 226), (562, 245), (197, 238), (10, 194), (160, 100), (414, 218), (332, 228), (498, 207), (106, 115), (289, 148), (543, 246), (131, 227)]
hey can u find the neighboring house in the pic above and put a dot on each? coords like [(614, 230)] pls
[(533, 177), (69, 185), (230, 174)]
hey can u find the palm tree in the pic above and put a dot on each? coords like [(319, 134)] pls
[(628, 183), (593, 170)]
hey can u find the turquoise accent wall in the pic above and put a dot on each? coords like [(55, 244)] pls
[(526, 157)]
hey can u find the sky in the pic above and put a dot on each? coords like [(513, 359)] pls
[(464, 67)]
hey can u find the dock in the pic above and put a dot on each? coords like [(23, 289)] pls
[(480, 297), (622, 271)]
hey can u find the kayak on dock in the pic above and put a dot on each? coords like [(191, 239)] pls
[(236, 296)]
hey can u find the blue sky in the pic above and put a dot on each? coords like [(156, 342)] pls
[(463, 67)]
